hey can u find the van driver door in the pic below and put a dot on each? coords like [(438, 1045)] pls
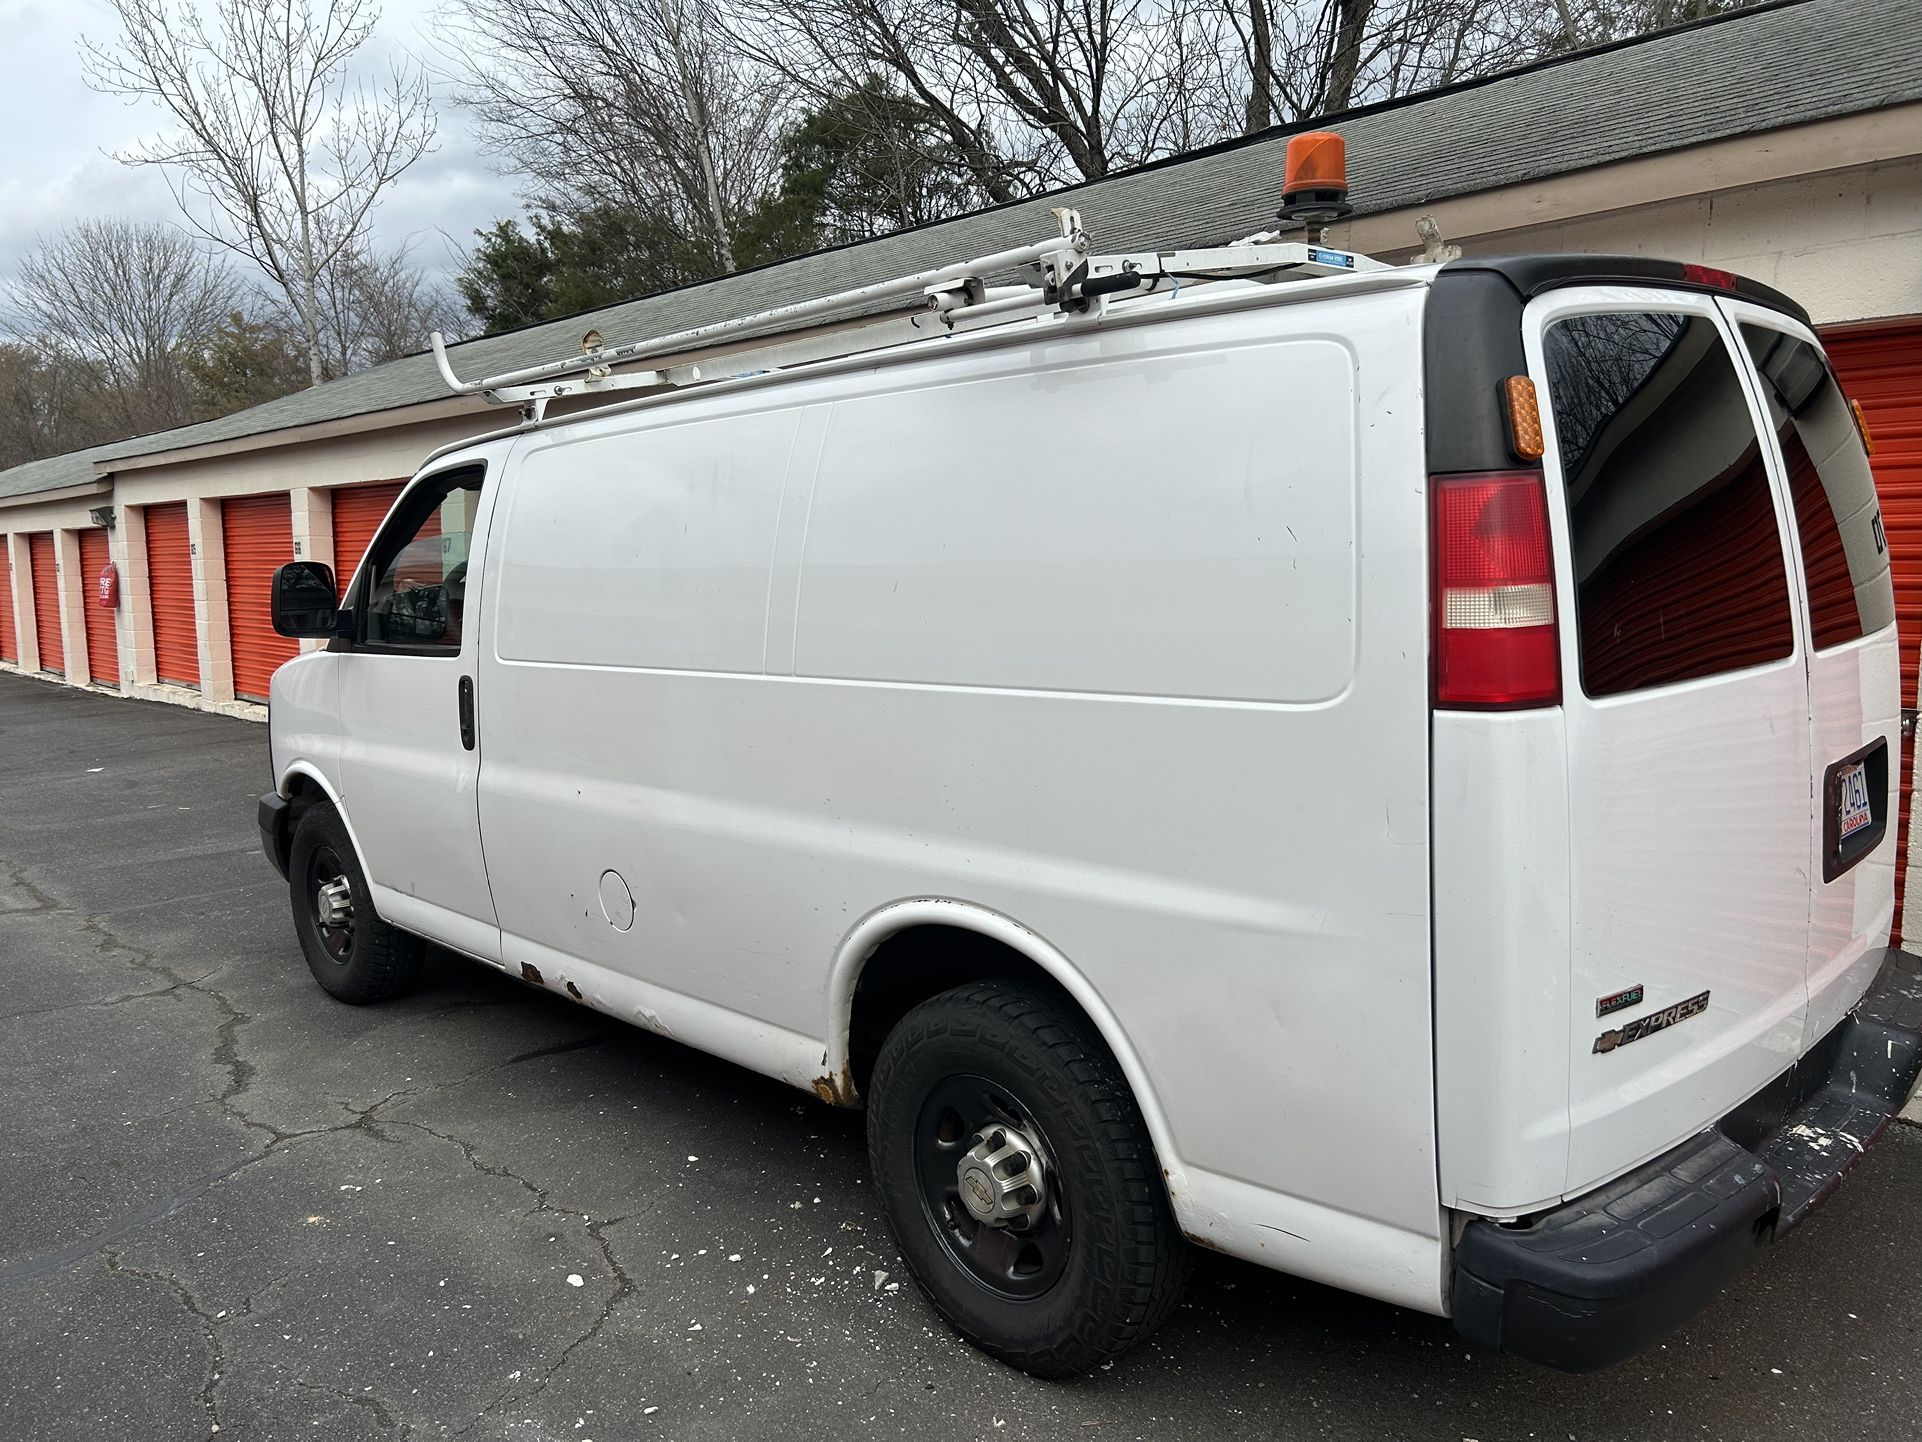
[(410, 758)]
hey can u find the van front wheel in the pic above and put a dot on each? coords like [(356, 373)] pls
[(1019, 1179), (353, 954)]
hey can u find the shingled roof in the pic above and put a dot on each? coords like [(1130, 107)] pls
[(1778, 65)]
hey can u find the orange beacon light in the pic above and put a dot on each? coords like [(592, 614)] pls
[(1314, 186)]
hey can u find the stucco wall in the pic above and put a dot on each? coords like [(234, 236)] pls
[(1847, 245)]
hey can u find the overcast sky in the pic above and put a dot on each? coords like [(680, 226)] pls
[(55, 134)]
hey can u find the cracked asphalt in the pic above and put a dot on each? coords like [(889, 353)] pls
[(229, 1202)]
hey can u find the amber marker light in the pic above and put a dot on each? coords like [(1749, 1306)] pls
[(1862, 427), (1524, 418)]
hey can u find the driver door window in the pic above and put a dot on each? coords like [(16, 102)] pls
[(416, 589)]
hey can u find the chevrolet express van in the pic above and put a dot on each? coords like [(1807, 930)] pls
[(1389, 776)]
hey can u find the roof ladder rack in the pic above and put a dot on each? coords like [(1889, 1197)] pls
[(1070, 281), (945, 288)]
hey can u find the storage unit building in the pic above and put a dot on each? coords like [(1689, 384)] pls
[(1782, 142)]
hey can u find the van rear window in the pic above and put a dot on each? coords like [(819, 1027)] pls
[(1845, 556), (1677, 556)]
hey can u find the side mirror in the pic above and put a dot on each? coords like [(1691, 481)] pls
[(305, 602)]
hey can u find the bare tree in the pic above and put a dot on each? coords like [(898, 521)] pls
[(1030, 93), (644, 106), (41, 413), (1567, 35), (122, 305), (379, 307), (276, 152), (1600, 21), (1306, 58), (1035, 93)]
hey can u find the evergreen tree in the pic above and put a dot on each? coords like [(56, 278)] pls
[(248, 362)]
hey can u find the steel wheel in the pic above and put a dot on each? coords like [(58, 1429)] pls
[(1019, 1180), (333, 902), (354, 955), (990, 1188)]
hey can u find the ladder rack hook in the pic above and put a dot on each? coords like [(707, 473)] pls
[(454, 382)]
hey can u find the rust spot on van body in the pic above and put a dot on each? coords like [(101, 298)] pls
[(837, 1089), (531, 972), (573, 991)]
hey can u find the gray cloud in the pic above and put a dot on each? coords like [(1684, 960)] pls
[(55, 165)]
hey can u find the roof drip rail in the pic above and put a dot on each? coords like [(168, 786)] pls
[(1070, 281)]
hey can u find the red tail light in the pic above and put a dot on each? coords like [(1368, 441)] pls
[(1494, 605)]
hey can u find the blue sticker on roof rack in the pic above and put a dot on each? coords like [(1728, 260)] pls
[(1331, 257)]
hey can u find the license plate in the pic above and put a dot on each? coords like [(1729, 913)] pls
[(1852, 799)]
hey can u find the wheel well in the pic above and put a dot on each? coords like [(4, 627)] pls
[(919, 962), (303, 794)]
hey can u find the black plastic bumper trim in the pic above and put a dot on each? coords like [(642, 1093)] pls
[(1612, 1272), (275, 833)]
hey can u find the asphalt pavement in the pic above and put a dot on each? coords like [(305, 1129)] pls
[(230, 1204)]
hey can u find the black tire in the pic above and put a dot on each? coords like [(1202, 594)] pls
[(1102, 1263), (364, 960)]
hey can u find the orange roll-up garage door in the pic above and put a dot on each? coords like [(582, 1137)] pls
[(170, 582), (9, 648), (358, 512), (259, 537), (1880, 367), (46, 603), (103, 647)]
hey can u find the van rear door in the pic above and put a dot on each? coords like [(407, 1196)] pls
[(1686, 701), (1842, 557)]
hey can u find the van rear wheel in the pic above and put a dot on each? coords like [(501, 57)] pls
[(353, 954), (1019, 1179)]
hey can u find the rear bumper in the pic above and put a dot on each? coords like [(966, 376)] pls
[(276, 834), (1608, 1274)]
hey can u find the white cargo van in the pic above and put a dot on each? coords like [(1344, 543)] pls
[(1389, 776)]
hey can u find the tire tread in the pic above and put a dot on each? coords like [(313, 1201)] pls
[(1153, 1259), (387, 961)]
